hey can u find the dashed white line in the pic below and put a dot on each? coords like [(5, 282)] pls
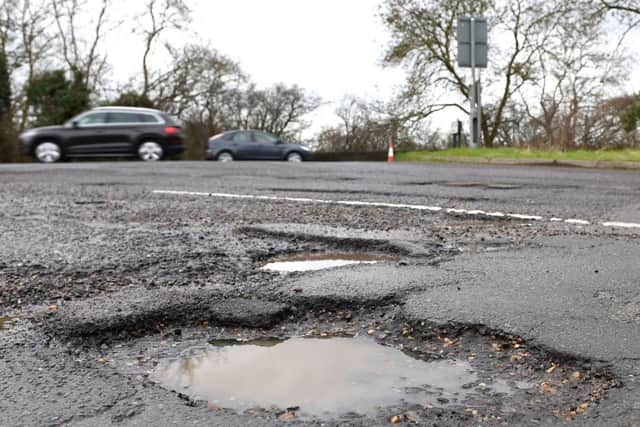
[(455, 211), (530, 217), (621, 224), (577, 221)]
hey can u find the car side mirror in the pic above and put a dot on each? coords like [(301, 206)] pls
[(74, 124), (278, 142)]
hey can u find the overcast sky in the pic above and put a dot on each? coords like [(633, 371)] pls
[(329, 47)]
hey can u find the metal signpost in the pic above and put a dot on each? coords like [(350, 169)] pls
[(472, 52)]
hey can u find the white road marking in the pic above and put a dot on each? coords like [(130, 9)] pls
[(455, 211), (621, 224), (531, 217), (577, 221)]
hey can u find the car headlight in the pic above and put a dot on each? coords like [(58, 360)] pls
[(305, 148)]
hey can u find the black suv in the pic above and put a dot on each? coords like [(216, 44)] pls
[(107, 132)]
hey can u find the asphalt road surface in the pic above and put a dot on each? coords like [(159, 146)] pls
[(529, 274)]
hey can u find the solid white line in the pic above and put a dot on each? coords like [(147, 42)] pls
[(395, 206)]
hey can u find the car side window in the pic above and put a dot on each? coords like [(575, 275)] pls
[(122, 118), (241, 137), (93, 119), (147, 118), (264, 138)]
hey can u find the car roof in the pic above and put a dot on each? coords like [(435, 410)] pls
[(248, 130), (130, 109)]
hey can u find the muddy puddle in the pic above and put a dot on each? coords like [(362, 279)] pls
[(322, 377), (320, 261), (5, 322)]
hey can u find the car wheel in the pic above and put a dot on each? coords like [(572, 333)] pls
[(150, 151), (47, 152), (225, 156), (294, 157)]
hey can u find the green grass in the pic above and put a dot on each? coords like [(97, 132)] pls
[(629, 155)]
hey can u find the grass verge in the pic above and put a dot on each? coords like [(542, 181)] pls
[(626, 155)]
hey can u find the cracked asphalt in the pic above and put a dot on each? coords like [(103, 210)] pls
[(100, 278)]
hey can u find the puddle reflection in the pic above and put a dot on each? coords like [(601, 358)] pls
[(315, 261), (5, 322), (321, 376)]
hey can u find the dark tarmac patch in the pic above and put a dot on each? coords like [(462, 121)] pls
[(472, 184), (503, 187), (105, 184), (142, 311), (351, 240), (416, 183), (90, 202), (358, 285)]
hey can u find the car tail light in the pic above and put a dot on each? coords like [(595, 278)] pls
[(171, 130)]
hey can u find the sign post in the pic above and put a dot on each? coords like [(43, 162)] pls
[(472, 52)]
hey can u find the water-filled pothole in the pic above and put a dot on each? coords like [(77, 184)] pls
[(321, 261), (323, 377), (5, 322)]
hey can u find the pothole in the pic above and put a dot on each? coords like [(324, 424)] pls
[(322, 377), (5, 322), (504, 186), (480, 184), (369, 364), (321, 261)]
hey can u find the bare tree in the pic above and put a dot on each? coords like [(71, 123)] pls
[(424, 35), (36, 45), (626, 6), (197, 84), (604, 127), (26, 43), (280, 109), (82, 56), (576, 70), (365, 126), (162, 15), (552, 52)]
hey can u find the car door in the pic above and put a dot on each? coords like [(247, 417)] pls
[(268, 147), (242, 145), (122, 132), (88, 134)]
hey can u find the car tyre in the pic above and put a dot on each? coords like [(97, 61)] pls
[(225, 156), (294, 157), (150, 151), (47, 152)]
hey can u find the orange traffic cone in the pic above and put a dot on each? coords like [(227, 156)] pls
[(390, 154)]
